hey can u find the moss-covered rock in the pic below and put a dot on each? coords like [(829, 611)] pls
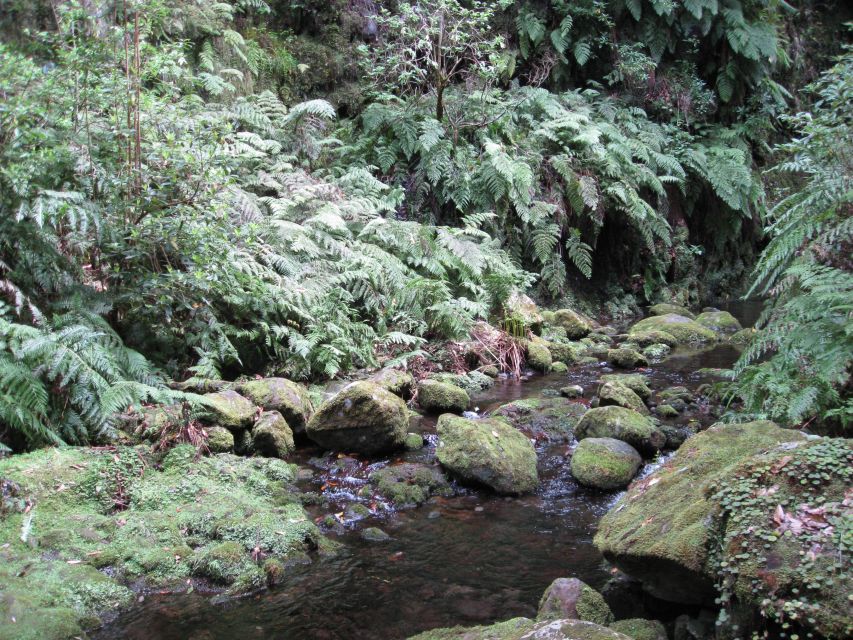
[(539, 355), (440, 397), (648, 338), (521, 308), (664, 308), (613, 393), (605, 463), (51, 583), (575, 325), (410, 484), (272, 436), (626, 358), (225, 563), (667, 411), (559, 367), (525, 629), (664, 528), (290, 399), (682, 328), (490, 370), (489, 452), (656, 352), (636, 382), (400, 383), (219, 440), (743, 337), (361, 418), (413, 442), (640, 629), (572, 391), (571, 599), (471, 382), (622, 424), (719, 321), (548, 419), (229, 409), (156, 419), (375, 534), (566, 352)]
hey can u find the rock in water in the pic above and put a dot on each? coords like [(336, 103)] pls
[(271, 436), (488, 452), (397, 382), (605, 463), (539, 355), (230, 410), (551, 419), (665, 308), (662, 530), (636, 382), (575, 324), (719, 321), (625, 358), (640, 629), (440, 397), (622, 424), (524, 629), (362, 418), (682, 328), (290, 399), (615, 394), (571, 599)]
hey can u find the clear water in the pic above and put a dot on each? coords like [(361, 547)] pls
[(472, 559)]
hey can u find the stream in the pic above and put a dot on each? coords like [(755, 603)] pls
[(472, 559)]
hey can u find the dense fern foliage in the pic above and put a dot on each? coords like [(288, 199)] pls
[(798, 369)]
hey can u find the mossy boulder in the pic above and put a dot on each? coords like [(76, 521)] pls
[(665, 308), (575, 325), (157, 418), (719, 321), (664, 529), (648, 338), (656, 352), (441, 397), (559, 367), (626, 358), (471, 382), (272, 436), (410, 484), (413, 442), (566, 352), (572, 599), (639, 629), (290, 399), (362, 418), (743, 337), (400, 383), (572, 391), (622, 424), (521, 308), (539, 355), (682, 328), (488, 452), (613, 393), (525, 629), (605, 463), (224, 563), (219, 440), (230, 410), (636, 382), (543, 419)]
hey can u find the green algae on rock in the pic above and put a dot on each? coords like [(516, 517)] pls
[(622, 424), (636, 382), (626, 358), (682, 328), (572, 599), (664, 529), (605, 463), (409, 483), (665, 308), (489, 452), (719, 321), (229, 409), (271, 436), (290, 399), (524, 629), (440, 397), (112, 508), (575, 325), (550, 419), (614, 393), (362, 418)]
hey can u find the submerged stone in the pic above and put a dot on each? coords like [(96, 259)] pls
[(362, 418), (290, 399), (622, 424), (605, 463), (489, 452), (440, 397)]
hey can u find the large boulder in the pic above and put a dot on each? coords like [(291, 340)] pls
[(525, 629), (719, 321), (548, 419), (441, 397), (605, 463), (539, 355), (272, 436), (636, 382), (489, 452), (682, 328), (622, 424), (400, 383), (229, 409), (571, 599), (290, 399), (615, 394), (665, 527), (575, 324), (520, 307), (362, 418), (664, 308)]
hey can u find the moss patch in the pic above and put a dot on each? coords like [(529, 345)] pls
[(410, 484)]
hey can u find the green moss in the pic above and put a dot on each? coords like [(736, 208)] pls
[(626, 358), (220, 440), (613, 393), (229, 409), (743, 337), (538, 355), (640, 629), (664, 308), (552, 419), (224, 563), (471, 382), (622, 424), (667, 411), (719, 321), (656, 352), (290, 399), (438, 397), (488, 452), (414, 441), (271, 436), (605, 463), (522, 628), (400, 383), (410, 483), (682, 328), (636, 382), (575, 325), (648, 338), (570, 598)]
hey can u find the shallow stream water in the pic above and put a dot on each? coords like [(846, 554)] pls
[(472, 559)]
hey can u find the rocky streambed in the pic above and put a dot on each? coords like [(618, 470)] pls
[(387, 545)]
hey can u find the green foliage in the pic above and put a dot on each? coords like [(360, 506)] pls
[(798, 367)]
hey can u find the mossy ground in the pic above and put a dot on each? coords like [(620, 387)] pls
[(152, 523)]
